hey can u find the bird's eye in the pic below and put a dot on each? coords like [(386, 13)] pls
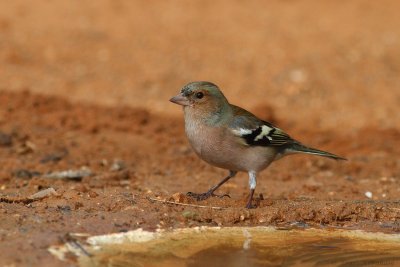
[(199, 95)]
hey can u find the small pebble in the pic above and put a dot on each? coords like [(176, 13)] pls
[(117, 165), (70, 174), (44, 193), (262, 220), (368, 194)]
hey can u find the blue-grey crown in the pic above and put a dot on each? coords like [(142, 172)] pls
[(188, 88)]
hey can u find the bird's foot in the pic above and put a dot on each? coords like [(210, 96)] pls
[(204, 196), (250, 206)]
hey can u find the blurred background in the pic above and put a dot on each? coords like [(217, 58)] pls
[(326, 64), (327, 72)]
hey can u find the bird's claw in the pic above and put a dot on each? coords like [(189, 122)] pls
[(204, 196), (250, 206)]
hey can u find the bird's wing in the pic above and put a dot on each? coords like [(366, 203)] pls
[(255, 132)]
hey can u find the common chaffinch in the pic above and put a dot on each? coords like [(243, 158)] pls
[(229, 137)]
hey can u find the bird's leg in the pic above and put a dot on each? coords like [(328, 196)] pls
[(210, 192), (252, 184)]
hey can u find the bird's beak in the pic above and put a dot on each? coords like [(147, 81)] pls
[(180, 100)]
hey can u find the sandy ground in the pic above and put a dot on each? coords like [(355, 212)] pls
[(86, 85)]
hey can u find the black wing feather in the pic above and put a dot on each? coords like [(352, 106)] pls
[(250, 129), (274, 137)]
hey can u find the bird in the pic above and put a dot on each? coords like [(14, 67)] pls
[(230, 137)]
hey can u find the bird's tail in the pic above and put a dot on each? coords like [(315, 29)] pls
[(300, 148)]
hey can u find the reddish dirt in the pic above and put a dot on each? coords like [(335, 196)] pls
[(87, 85)]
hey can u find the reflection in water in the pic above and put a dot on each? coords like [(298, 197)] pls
[(245, 247), (335, 252), (231, 256)]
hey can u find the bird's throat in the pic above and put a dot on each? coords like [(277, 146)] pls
[(211, 116)]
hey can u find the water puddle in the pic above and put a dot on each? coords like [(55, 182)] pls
[(238, 246)]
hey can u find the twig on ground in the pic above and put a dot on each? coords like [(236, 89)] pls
[(184, 204), (26, 200)]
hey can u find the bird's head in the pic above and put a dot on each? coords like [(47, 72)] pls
[(201, 96)]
